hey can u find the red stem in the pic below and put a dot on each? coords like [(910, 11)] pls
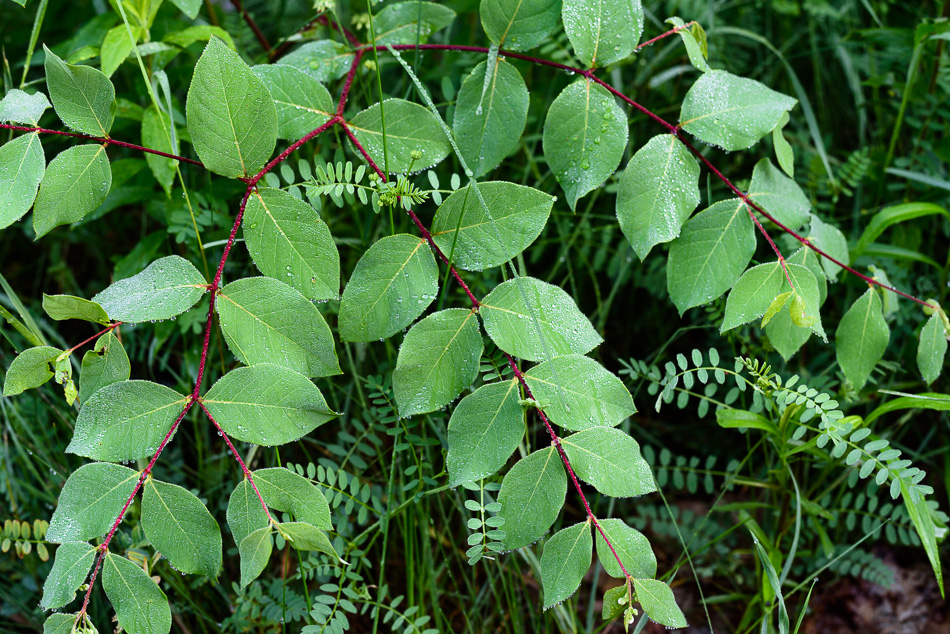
[(665, 35), (95, 336), (251, 23)]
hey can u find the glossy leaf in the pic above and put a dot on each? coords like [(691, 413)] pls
[(181, 528), (658, 602), (304, 536), (534, 320), (731, 112), (531, 497), (484, 430), (490, 115), (166, 288), (284, 490), (245, 513), (303, 104), (409, 128), (393, 283), (22, 166), (403, 23), (438, 359), (324, 60), (105, 364), (82, 96), (861, 338), (18, 106), (266, 321), (659, 189), (711, 253), (75, 184), (829, 239), (779, 195), (267, 404), (61, 307), (289, 241), (630, 545), (752, 294), (519, 25), (90, 501), (785, 336), (609, 460), (932, 348), (694, 39), (231, 115), (578, 393), (255, 550), (585, 133), (70, 568), (140, 605), (602, 31), (31, 368), (155, 135), (125, 421), (564, 562)]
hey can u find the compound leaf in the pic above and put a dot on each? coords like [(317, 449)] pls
[(166, 288), (752, 294)]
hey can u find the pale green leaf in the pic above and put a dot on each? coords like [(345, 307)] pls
[(266, 404), (410, 22), (90, 502), (630, 545), (22, 166), (519, 25), (117, 46), (409, 128), (694, 39), (785, 336), (783, 150), (284, 490), (393, 283), (304, 536), (658, 602), (437, 360), (609, 460), (166, 288), (188, 7), (564, 562), (31, 368), (181, 528), (156, 137), (585, 133), (534, 320), (324, 60), (70, 568), (303, 104), (808, 289), (484, 431), (614, 602), (255, 550), (82, 96), (245, 513), (932, 348), (920, 514), (59, 623), (140, 605), (231, 116), (779, 195), (18, 106), (752, 294), (61, 307), (105, 364), (76, 182), (266, 321), (861, 338), (812, 261), (198, 33), (658, 191), (829, 239), (602, 31), (531, 497)]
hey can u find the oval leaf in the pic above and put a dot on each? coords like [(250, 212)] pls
[(284, 490), (181, 528), (255, 550), (31, 368), (630, 545), (62, 307), (752, 294), (610, 460), (245, 513), (484, 431), (519, 25), (302, 103), (324, 60), (658, 602), (932, 348), (22, 166), (410, 23), (602, 31), (861, 338), (70, 567), (90, 501), (304, 536), (409, 128), (82, 96), (779, 195), (139, 603), (564, 562), (166, 288), (531, 497), (76, 182), (105, 364)]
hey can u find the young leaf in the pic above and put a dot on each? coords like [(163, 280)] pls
[(829, 239), (658, 602), (31, 368), (245, 513), (266, 321), (484, 431), (614, 603), (166, 288), (409, 128), (519, 25), (752, 295), (22, 165), (255, 550), (785, 336), (22, 107), (932, 348), (808, 290), (630, 545), (139, 603), (531, 497), (289, 241), (610, 460), (393, 283), (564, 562), (490, 115), (181, 528), (284, 490), (578, 393), (731, 112), (783, 150), (266, 404), (779, 195), (303, 104), (602, 31), (861, 338), (125, 421), (188, 7), (90, 501), (82, 96), (410, 23), (709, 256), (105, 364), (60, 623), (61, 307), (155, 136), (116, 47), (437, 360), (585, 133), (304, 536), (324, 60), (70, 567), (231, 116), (659, 189), (694, 39), (534, 320), (76, 182)]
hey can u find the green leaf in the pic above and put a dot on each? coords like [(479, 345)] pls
[(779, 195), (484, 430), (694, 39), (630, 545), (409, 128), (303, 104), (409, 23), (808, 289), (266, 404), (602, 31), (22, 165), (289, 241), (284, 490), (614, 603), (658, 602), (198, 33), (90, 502), (59, 623), (812, 261), (62, 307), (266, 321), (304, 536), (928, 400), (919, 513), (534, 320), (125, 421), (188, 7), (255, 550), (783, 150), (609, 460), (231, 116), (245, 513), (932, 348), (829, 239), (531, 497), (82, 96), (731, 112), (578, 393), (658, 191), (785, 336), (154, 136), (585, 133), (564, 562), (166, 288), (105, 364), (752, 295), (437, 360), (393, 283), (70, 567), (729, 418), (519, 25), (31, 368), (775, 586), (76, 183), (116, 47), (140, 605), (18, 106), (490, 115), (324, 60), (181, 528), (861, 338), (892, 215), (711, 253)]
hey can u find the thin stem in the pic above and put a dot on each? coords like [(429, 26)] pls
[(110, 328), (672, 31), (251, 23)]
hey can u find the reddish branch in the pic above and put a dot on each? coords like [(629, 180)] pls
[(251, 23)]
